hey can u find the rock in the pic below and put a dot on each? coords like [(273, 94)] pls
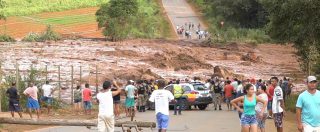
[(251, 56), (224, 72), (246, 63)]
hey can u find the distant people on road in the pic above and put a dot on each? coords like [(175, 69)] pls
[(228, 90), (14, 104), (178, 96), (32, 103), (106, 115), (87, 97), (250, 100), (261, 121), (278, 107), (130, 95), (162, 98), (199, 26), (47, 95), (77, 99), (307, 107)]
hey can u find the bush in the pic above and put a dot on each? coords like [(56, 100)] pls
[(6, 38), (291, 102), (48, 35), (32, 37)]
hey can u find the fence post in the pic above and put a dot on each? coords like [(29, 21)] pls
[(17, 76), (46, 72), (71, 85), (80, 75), (1, 83), (96, 79), (59, 82)]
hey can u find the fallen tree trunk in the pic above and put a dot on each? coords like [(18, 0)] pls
[(65, 122)]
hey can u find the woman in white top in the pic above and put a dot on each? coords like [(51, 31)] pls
[(262, 94)]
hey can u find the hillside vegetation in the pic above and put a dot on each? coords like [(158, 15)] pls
[(28, 7)]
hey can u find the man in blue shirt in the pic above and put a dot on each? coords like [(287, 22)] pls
[(308, 106)]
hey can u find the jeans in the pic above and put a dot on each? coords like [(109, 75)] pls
[(178, 103)]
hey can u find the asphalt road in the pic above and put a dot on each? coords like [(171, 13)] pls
[(179, 13)]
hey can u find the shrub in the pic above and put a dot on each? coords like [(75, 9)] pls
[(291, 102), (6, 38), (32, 37), (49, 34)]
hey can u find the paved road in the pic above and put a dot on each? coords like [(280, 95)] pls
[(190, 121), (180, 12)]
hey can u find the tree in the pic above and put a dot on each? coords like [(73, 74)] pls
[(2, 14), (297, 22), (115, 17), (240, 13)]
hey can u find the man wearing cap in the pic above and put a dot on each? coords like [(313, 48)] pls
[(130, 92), (307, 108)]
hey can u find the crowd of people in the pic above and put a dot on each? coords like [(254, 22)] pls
[(188, 28), (254, 100)]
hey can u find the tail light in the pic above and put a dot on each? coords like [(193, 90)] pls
[(194, 92)]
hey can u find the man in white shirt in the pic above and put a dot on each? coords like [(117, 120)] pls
[(162, 98), (277, 105), (47, 95), (105, 100)]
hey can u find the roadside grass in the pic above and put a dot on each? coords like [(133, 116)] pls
[(28, 7), (290, 103)]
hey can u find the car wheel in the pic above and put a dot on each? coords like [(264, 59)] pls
[(202, 107)]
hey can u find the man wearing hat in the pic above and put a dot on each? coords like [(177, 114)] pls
[(308, 106)]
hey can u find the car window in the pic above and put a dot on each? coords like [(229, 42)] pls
[(186, 88), (199, 87)]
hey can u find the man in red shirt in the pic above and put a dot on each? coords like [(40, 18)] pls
[(86, 97), (228, 90), (270, 92)]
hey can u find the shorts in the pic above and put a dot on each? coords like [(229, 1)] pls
[(129, 102), (309, 128), (278, 119), (262, 122), (47, 100), (162, 121), (87, 105), (248, 120), (269, 106), (77, 100), (116, 101), (228, 100), (32, 103), (105, 123), (14, 105)]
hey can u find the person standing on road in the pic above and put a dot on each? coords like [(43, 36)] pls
[(32, 103), (248, 118), (178, 94), (262, 94), (14, 105), (141, 96), (216, 94), (162, 98), (47, 95), (86, 97), (77, 100), (228, 90), (130, 103), (270, 92), (105, 100), (308, 106), (278, 108)]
